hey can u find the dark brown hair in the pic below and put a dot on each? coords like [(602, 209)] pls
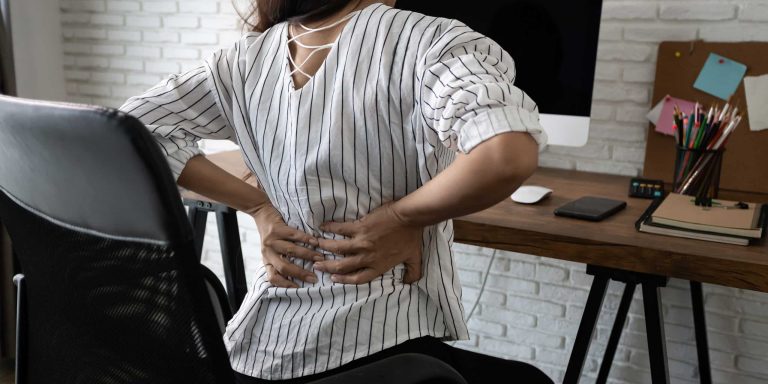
[(266, 13)]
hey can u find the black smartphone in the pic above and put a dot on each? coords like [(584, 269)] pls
[(590, 208)]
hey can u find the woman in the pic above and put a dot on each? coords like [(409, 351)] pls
[(351, 113)]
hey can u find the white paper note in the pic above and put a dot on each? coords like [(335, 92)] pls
[(756, 88), (655, 112)]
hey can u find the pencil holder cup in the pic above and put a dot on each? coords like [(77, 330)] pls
[(697, 173)]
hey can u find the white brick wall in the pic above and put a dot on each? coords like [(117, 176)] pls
[(122, 46), (531, 306)]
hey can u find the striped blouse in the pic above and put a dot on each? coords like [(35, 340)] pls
[(398, 94)]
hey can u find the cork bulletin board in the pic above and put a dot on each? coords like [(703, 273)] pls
[(745, 161)]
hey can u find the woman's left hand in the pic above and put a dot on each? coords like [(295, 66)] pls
[(376, 243)]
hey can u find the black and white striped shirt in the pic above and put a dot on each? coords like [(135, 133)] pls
[(397, 95)]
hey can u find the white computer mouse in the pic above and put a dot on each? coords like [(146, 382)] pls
[(530, 194)]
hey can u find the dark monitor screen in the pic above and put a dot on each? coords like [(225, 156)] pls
[(553, 43), (7, 81)]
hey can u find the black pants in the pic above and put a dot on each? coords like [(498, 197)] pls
[(474, 367)]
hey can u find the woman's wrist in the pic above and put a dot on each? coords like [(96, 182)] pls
[(400, 210), (262, 213), (256, 210)]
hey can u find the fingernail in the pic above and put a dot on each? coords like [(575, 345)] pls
[(314, 241), (319, 258), (335, 278), (319, 267), (312, 279)]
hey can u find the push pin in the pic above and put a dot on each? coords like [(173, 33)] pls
[(678, 54)]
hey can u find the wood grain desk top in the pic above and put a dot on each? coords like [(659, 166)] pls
[(614, 242)]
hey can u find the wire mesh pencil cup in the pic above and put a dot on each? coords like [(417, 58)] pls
[(697, 173)]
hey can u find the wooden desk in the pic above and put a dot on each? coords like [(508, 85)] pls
[(614, 242), (613, 249)]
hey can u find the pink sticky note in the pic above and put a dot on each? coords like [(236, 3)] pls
[(666, 122)]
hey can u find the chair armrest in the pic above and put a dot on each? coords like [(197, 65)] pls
[(218, 296)]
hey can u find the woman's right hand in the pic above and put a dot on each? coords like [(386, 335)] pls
[(278, 243)]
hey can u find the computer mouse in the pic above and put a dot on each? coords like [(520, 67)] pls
[(530, 194)]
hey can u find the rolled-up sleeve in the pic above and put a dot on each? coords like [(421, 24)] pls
[(183, 109), (467, 92)]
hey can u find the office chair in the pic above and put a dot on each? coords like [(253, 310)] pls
[(111, 290)]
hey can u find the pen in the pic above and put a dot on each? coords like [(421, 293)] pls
[(696, 114), (739, 205), (687, 183), (735, 123), (727, 131), (676, 129), (677, 117), (689, 123), (702, 127)]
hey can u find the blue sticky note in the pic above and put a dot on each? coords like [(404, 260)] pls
[(720, 76)]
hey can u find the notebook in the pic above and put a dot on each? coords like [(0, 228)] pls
[(644, 224), (724, 217)]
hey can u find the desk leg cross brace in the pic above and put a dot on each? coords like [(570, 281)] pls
[(654, 323), (229, 238)]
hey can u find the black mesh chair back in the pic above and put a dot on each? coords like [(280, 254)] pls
[(113, 291)]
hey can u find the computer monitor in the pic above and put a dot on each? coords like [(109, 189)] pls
[(30, 44), (554, 45), (7, 74)]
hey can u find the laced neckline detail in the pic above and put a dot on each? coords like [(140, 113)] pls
[(314, 48)]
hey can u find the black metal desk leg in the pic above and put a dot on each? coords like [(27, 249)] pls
[(654, 327), (700, 327), (586, 328), (198, 217), (613, 341), (232, 255)]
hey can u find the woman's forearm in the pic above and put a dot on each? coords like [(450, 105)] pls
[(206, 178), (279, 242), (476, 181)]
